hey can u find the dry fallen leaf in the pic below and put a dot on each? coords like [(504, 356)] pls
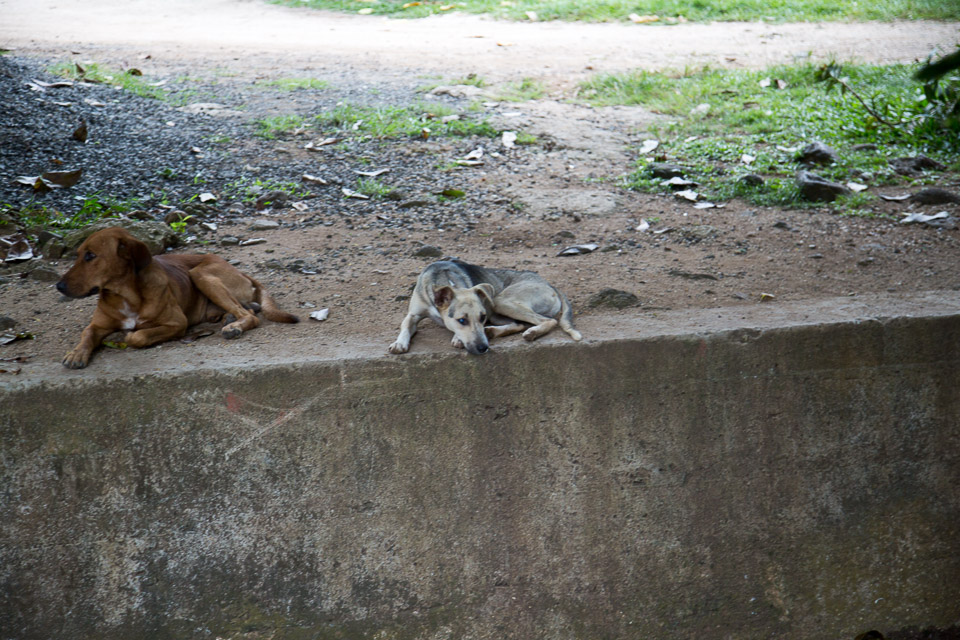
[(648, 146), (856, 187), (688, 194), (320, 315), (509, 139), (579, 249), (643, 226), (80, 133), (350, 193), (207, 197), (314, 179), (637, 19), (371, 174)]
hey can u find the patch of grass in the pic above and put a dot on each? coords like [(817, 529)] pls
[(294, 84), (247, 190), (271, 128), (526, 89), (668, 11), (526, 138), (402, 121), (92, 208), (747, 114), (100, 74), (373, 188)]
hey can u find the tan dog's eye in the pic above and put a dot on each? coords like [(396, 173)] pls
[(463, 321), (483, 318), (88, 256)]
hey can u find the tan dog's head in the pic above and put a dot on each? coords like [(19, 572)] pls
[(104, 260), (465, 312)]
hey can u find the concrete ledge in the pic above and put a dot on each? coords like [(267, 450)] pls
[(772, 476)]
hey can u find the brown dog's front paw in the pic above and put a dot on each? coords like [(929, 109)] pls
[(73, 360), (231, 331)]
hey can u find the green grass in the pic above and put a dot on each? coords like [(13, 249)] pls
[(771, 124), (247, 190), (526, 89), (294, 84), (93, 207), (401, 121), (667, 10), (273, 127), (373, 188), (97, 73)]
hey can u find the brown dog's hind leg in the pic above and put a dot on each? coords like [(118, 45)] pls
[(220, 287)]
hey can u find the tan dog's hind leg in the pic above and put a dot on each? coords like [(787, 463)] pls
[(219, 287), (542, 325), (500, 330)]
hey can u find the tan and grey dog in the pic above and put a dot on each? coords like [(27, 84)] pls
[(465, 298)]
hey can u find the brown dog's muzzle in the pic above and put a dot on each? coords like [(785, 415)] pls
[(66, 290)]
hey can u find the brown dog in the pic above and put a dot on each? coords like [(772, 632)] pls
[(158, 298)]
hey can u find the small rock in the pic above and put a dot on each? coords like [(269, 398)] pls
[(43, 273), (176, 215), (7, 226), (864, 147), (156, 235), (934, 195), (410, 204), (140, 214), (613, 298), (457, 91), (665, 171), (274, 199), (817, 189), (700, 110), (751, 180), (915, 166), (53, 250), (427, 251), (817, 153), (44, 236), (229, 241), (264, 225), (6, 322)]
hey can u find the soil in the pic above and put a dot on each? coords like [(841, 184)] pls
[(520, 208)]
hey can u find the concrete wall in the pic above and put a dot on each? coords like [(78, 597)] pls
[(798, 482)]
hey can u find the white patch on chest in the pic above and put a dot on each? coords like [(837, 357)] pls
[(130, 317)]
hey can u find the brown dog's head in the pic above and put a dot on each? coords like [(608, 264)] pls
[(106, 258)]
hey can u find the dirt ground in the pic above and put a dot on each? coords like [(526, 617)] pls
[(539, 199)]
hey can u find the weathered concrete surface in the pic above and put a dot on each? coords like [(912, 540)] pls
[(777, 478)]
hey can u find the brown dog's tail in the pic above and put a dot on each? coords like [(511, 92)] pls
[(566, 318), (269, 306)]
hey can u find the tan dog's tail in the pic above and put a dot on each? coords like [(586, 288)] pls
[(269, 306), (566, 318)]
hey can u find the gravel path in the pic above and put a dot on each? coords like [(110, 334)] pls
[(356, 257)]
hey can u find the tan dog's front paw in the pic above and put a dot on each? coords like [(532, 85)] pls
[(76, 359), (399, 347), (457, 343)]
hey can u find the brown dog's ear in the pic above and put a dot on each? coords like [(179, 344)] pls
[(135, 251), (486, 293), (442, 297)]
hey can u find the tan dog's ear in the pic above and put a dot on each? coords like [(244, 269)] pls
[(135, 251), (486, 292), (442, 297)]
